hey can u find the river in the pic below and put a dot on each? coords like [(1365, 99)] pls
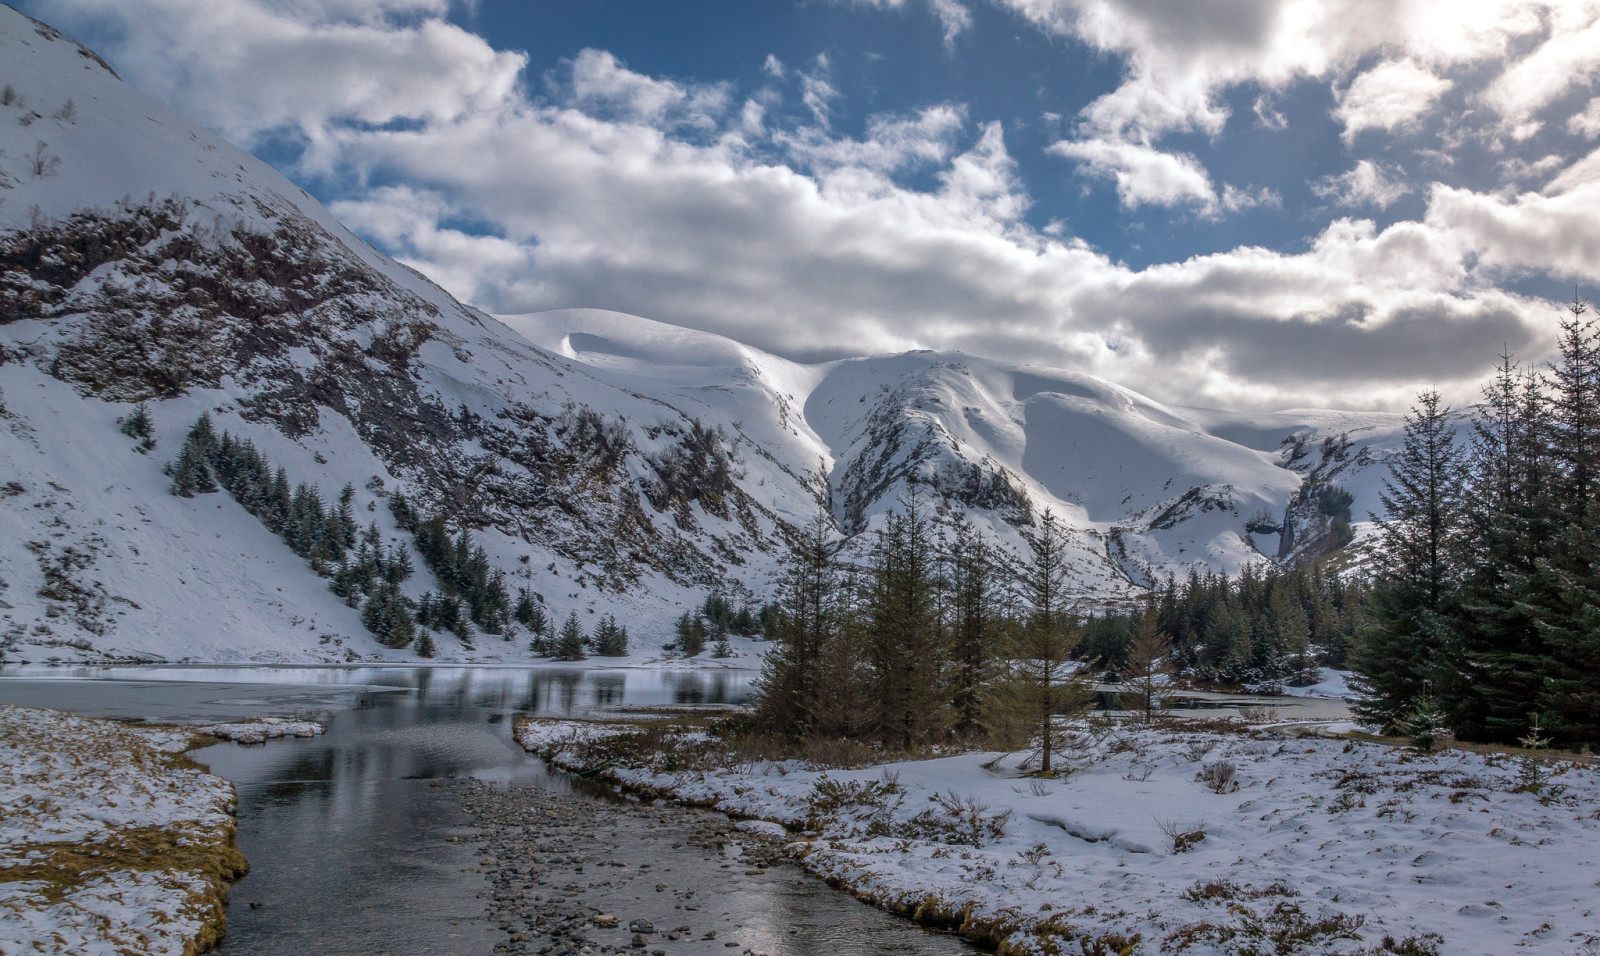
[(359, 841)]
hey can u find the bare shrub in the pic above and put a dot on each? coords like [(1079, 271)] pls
[(42, 162), (957, 819), (1259, 715), (1220, 776), (1196, 748), (1182, 837)]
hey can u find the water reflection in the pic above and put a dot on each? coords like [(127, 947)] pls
[(552, 691), (349, 834)]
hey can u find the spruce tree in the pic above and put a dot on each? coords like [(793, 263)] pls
[(570, 641), (1406, 646), (788, 695), (906, 648), (1040, 680), (1148, 665), (1566, 602), (970, 571), (610, 638)]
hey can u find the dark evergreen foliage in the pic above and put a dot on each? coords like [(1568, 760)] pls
[(360, 569), (1487, 603)]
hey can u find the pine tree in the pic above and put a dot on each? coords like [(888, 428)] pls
[(424, 643), (972, 625), (788, 695), (1148, 665), (139, 425), (1402, 652), (906, 649), (569, 643), (1566, 605), (610, 638), (690, 638), (1499, 672), (1040, 681)]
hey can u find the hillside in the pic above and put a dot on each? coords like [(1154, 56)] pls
[(605, 462)]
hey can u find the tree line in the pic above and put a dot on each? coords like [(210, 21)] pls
[(470, 594), (1486, 603), (923, 643)]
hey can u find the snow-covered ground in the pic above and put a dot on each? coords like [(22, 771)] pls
[(110, 841), (1315, 845)]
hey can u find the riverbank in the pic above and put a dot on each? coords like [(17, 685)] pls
[(111, 839), (1168, 839), (576, 874)]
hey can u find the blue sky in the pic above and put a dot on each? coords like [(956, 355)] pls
[(1231, 202)]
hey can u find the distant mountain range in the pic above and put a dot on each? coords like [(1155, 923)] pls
[(607, 462)]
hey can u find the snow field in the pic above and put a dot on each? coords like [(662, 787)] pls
[(110, 841), (1193, 840)]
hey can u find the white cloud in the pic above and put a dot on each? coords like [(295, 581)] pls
[(599, 80), (817, 90), (1569, 57), (1144, 176), (807, 242), (1391, 95), (1368, 184), (1181, 55), (773, 67), (953, 16), (1586, 123)]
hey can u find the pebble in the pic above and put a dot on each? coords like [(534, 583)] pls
[(533, 844)]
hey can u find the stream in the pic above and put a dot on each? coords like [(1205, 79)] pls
[(382, 835)]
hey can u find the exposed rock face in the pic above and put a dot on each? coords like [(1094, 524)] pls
[(599, 458)]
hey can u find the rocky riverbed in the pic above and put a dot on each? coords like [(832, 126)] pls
[(572, 874)]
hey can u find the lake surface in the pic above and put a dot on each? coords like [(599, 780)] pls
[(349, 835)]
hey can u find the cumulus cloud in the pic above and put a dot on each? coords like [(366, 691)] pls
[(609, 188), (1368, 184), (1586, 123), (1389, 96), (1144, 176)]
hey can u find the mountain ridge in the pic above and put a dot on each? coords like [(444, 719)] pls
[(609, 463)]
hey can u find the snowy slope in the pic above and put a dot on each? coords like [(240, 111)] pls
[(607, 462)]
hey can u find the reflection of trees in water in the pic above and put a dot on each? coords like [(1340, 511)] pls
[(695, 688), (609, 689)]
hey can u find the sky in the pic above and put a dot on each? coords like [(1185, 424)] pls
[(1235, 203)]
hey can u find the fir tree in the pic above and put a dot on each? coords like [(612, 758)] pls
[(610, 638), (570, 641), (906, 650), (1400, 654), (972, 620), (1566, 598), (138, 424), (1148, 665), (1040, 679), (788, 695)]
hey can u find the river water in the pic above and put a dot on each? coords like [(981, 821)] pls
[(358, 841)]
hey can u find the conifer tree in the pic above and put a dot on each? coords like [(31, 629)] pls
[(906, 649), (972, 620), (570, 641), (1148, 665), (1040, 681), (138, 424), (610, 638), (1399, 655), (690, 637), (788, 695), (1566, 606)]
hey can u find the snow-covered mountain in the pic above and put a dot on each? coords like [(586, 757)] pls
[(607, 462)]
